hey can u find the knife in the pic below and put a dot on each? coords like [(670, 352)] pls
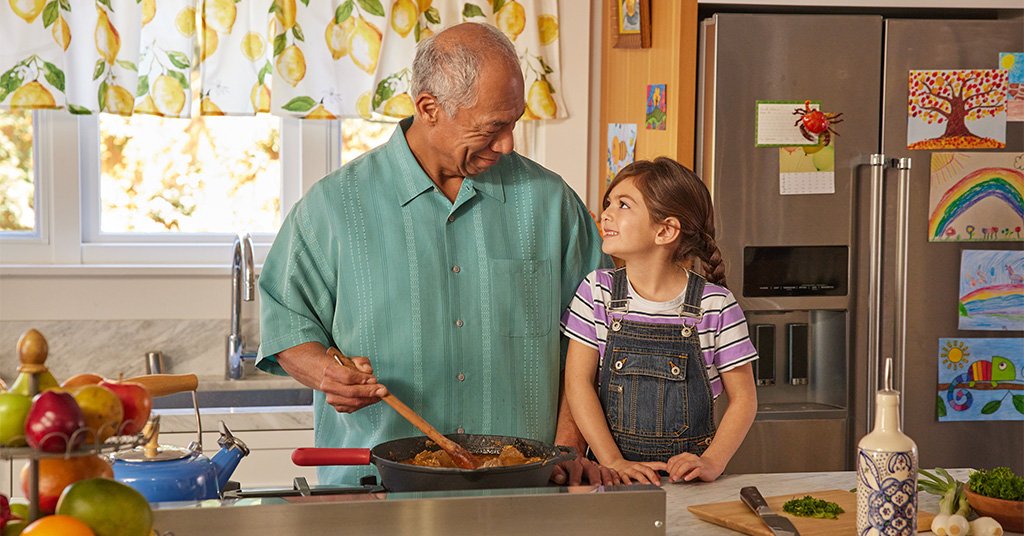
[(780, 526)]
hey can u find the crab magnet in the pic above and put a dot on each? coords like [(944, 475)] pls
[(815, 124)]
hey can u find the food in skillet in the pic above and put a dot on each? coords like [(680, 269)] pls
[(508, 456)]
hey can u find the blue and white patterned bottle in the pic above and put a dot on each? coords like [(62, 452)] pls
[(887, 471)]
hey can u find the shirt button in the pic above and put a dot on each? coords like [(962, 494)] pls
[(451, 219), (456, 269), (461, 430), (462, 377), (436, 191), (458, 323)]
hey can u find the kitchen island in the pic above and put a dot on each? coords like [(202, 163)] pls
[(588, 510)]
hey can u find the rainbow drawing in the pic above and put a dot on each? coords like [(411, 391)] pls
[(951, 215), (992, 290)]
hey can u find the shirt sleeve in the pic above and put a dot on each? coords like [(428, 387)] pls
[(297, 289), (732, 340), (578, 319), (581, 253)]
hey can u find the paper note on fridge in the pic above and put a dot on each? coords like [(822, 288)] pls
[(807, 170), (775, 124)]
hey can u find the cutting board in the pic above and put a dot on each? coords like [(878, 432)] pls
[(737, 516)]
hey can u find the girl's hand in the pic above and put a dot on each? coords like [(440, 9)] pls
[(642, 472), (688, 467)]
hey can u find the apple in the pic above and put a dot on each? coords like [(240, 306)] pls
[(136, 402), (79, 380), (102, 409), (14, 408), (52, 422)]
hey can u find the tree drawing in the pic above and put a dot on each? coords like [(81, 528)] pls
[(957, 97)]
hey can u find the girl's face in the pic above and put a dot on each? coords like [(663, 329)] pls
[(626, 223)]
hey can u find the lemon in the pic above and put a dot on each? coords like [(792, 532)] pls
[(320, 113), (425, 33), (291, 65), (399, 106), (208, 107), (364, 45), (527, 115), (336, 36), (423, 5), (147, 107), (119, 101), (253, 46), (363, 105), (32, 95), (219, 15), (27, 9), (168, 95), (185, 21), (260, 98), (403, 16), (148, 10), (208, 45), (285, 13), (540, 102), (548, 27), (108, 41), (61, 33), (511, 19)]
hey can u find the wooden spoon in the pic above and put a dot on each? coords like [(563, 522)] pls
[(460, 456)]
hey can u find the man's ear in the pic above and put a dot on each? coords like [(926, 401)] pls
[(427, 108), (668, 231)]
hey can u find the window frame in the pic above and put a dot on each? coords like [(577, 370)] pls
[(67, 199)]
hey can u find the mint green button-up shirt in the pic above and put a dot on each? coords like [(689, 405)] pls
[(456, 304)]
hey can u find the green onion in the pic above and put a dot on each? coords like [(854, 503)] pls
[(811, 507)]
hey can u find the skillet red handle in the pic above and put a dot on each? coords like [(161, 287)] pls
[(312, 456)]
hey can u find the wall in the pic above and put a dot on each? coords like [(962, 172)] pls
[(104, 319), (626, 73)]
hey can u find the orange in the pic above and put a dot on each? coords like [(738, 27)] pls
[(57, 526), (55, 474)]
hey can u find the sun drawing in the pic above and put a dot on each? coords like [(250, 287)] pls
[(954, 355)]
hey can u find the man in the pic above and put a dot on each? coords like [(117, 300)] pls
[(443, 257)]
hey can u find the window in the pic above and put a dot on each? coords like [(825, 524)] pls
[(152, 191), (17, 204)]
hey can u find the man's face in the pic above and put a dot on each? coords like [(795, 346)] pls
[(477, 137)]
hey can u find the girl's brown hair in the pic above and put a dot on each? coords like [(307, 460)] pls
[(671, 190)]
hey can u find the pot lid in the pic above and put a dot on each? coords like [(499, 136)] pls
[(163, 454)]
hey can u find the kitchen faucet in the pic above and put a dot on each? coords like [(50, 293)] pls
[(243, 278)]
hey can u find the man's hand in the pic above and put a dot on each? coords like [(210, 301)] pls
[(642, 472), (690, 466), (571, 473), (348, 390)]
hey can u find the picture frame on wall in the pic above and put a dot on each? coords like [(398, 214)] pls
[(631, 23)]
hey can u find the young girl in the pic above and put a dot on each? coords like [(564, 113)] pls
[(653, 343)]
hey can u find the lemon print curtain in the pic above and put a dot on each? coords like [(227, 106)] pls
[(314, 59)]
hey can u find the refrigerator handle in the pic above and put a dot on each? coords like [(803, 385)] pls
[(877, 164), (902, 221)]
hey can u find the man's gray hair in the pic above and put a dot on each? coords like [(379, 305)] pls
[(448, 70)]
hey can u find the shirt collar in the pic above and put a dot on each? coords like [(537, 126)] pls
[(414, 181)]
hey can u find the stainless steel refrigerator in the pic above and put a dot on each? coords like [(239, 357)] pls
[(821, 276)]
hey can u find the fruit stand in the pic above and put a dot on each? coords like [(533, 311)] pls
[(56, 430)]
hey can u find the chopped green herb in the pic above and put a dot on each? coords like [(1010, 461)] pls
[(999, 483), (811, 507)]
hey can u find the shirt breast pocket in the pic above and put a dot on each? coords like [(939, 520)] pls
[(522, 297)]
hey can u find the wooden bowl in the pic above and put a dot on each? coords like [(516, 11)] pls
[(1009, 514)]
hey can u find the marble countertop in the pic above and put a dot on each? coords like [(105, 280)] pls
[(240, 419), (727, 488)]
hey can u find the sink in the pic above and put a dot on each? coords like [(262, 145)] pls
[(237, 398)]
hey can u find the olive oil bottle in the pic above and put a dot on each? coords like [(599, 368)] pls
[(887, 471)]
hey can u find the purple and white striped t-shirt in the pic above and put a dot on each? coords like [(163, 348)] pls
[(723, 335)]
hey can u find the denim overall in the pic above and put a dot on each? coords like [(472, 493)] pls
[(654, 385)]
